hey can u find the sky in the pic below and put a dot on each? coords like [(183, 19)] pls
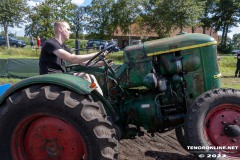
[(235, 30), (20, 31), (77, 2)]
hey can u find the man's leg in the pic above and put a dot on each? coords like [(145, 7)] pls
[(90, 78), (237, 70)]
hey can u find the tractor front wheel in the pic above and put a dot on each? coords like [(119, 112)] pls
[(212, 125), (51, 122), (181, 137)]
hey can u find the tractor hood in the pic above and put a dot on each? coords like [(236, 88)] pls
[(193, 50), (167, 45)]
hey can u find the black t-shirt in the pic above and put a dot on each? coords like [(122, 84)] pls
[(48, 61)]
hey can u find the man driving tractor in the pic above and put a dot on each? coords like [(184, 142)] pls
[(54, 54)]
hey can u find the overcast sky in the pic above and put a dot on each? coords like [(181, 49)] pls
[(20, 31)]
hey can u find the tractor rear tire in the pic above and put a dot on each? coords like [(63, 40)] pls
[(212, 123), (52, 122)]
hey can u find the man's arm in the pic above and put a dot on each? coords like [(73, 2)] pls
[(77, 59)]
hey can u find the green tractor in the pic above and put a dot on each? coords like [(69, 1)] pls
[(165, 84)]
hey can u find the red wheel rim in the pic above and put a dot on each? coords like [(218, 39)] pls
[(214, 124), (46, 137)]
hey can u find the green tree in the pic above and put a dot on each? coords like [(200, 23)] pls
[(236, 41), (42, 17), (165, 15), (12, 13), (125, 13), (99, 19), (153, 18), (227, 48), (226, 14), (205, 19), (78, 19), (105, 16)]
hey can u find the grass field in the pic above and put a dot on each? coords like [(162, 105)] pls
[(227, 64), (227, 68)]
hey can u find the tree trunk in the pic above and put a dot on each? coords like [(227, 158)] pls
[(77, 33), (225, 36), (181, 29), (204, 30), (223, 33), (210, 31), (5, 26)]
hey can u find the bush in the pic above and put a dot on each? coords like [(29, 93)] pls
[(224, 49), (25, 39), (71, 43)]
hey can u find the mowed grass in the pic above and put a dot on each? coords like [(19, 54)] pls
[(26, 52), (9, 80), (227, 68), (227, 65)]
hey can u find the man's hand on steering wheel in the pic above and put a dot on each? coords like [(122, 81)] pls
[(100, 56)]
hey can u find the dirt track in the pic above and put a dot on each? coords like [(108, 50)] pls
[(160, 147)]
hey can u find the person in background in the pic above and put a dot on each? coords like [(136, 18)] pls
[(54, 55), (111, 42), (38, 41), (32, 42), (105, 46), (237, 74)]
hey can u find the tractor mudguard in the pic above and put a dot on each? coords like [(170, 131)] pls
[(74, 83)]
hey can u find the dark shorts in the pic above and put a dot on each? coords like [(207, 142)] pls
[(238, 64)]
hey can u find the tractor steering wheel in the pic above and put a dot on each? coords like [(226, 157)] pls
[(94, 60)]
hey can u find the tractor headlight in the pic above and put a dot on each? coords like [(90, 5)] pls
[(150, 81)]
